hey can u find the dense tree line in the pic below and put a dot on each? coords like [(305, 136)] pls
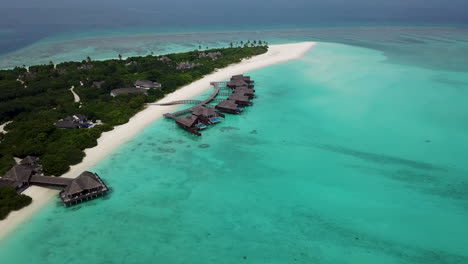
[(10, 201), (34, 100)]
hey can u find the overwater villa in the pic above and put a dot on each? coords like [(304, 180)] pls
[(229, 106), (240, 81), (85, 187), (241, 100), (204, 114), (207, 115), (28, 172), (245, 91), (242, 77), (73, 122), (191, 123)]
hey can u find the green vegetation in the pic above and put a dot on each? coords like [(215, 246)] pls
[(35, 100), (10, 201)]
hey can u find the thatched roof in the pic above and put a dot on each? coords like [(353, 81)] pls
[(29, 160), (203, 111), (239, 97), (147, 84), (8, 183), (19, 173), (67, 124), (237, 83), (84, 182), (97, 84), (228, 104), (116, 92), (187, 121)]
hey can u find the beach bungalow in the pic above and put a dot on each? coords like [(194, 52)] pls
[(211, 55), (73, 122), (85, 187), (20, 175), (85, 67), (164, 59), (229, 106), (186, 65), (146, 84), (207, 115), (191, 123), (97, 84), (240, 100), (130, 90)]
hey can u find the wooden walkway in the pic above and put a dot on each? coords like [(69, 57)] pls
[(49, 181), (205, 102)]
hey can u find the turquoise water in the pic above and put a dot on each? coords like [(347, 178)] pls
[(345, 157)]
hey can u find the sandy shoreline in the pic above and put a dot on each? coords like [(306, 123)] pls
[(111, 140)]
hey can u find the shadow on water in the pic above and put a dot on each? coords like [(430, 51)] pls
[(380, 158)]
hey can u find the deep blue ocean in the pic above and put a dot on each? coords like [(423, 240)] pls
[(355, 153)]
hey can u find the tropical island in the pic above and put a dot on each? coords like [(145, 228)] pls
[(56, 111)]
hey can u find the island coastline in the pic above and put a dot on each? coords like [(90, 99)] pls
[(111, 140)]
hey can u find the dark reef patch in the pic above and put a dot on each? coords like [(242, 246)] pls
[(228, 128), (204, 145), (166, 150)]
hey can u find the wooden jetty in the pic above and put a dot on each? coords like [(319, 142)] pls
[(240, 92)]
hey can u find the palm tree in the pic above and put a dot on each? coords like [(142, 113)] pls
[(230, 44), (120, 57), (152, 53), (242, 42), (88, 59), (255, 42), (199, 47)]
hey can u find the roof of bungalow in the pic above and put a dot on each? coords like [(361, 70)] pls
[(244, 89), (19, 173), (240, 77), (203, 111), (187, 121), (29, 160), (239, 97), (80, 117), (147, 84), (84, 182), (237, 83), (118, 91), (67, 124), (8, 183), (97, 84), (228, 104)]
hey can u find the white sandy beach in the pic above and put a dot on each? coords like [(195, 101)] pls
[(111, 140)]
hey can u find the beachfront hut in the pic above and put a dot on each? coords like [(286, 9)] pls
[(229, 106), (20, 174), (207, 115), (130, 90), (191, 123), (8, 183), (73, 122), (97, 84), (86, 186), (30, 161), (240, 100), (146, 84)]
